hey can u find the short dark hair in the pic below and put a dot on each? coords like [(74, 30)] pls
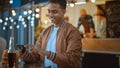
[(62, 3)]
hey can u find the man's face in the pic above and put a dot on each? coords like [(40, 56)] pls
[(55, 13)]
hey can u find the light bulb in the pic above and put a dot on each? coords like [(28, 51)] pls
[(1, 20), (11, 1), (14, 14), (22, 19), (11, 20), (6, 19), (93, 1), (37, 15), (33, 14), (10, 27), (25, 12), (72, 5), (4, 28), (17, 26), (28, 17), (25, 25), (14, 23), (32, 18), (37, 9), (20, 16), (30, 11), (5, 23)]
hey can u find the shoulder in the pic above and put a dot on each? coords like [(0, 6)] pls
[(89, 16), (70, 28)]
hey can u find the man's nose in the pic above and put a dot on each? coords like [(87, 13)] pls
[(50, 15)]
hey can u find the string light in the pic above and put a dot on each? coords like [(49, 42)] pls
[(11, 20), (4, 28), (72, 4), (25, 25), (28, 17), (5, 23), (37, 9), (30, 11), (20, 16), (17, 26), (10, 27), (33, 14), (32, 18), (11, 1), (32, 23), (93, 1), (1, 20), (22, 19), (25, 12), (14, 23), (37, 15), (6, 19), (14, 14)]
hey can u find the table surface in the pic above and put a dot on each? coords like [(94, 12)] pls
[(22, 65)]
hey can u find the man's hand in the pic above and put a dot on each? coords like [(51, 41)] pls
[(40, 51)]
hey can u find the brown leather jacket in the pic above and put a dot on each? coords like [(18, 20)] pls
[(68, 47)]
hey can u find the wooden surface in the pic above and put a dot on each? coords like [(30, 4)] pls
[(21, 65), (111, 46)]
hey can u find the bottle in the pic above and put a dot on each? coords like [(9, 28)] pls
[(11, 54)]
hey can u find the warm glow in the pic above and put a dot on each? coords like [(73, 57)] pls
[(11, 1), (93, 1), (5, 23), (25, 12), (6, 19), (37, 15), (1, 20), (17, 26), (37, 9), (30, 11), (72, 4)]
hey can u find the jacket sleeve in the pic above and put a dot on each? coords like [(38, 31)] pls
[(72, 55), (31, 57)]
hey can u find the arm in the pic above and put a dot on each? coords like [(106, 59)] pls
[(32, 56), (79, 23), (72, 54), (92, 28), (91, 25)]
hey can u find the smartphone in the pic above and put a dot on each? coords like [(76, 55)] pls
[(21, 47)]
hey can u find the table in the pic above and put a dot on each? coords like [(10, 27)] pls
[(99, 48), (22, 65)]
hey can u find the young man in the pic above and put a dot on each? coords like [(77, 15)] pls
[(59, 45)]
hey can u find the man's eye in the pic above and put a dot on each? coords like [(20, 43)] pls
[(48, 11), (55, 11)]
